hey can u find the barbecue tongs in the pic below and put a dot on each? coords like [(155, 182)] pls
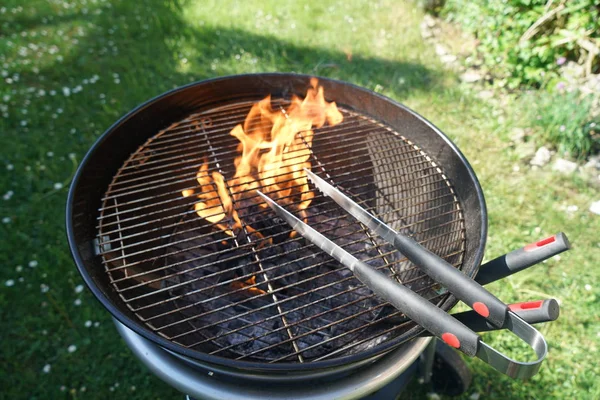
[(424, 313)]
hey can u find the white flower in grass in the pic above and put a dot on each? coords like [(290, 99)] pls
[(10, 282), (50, 154), (66, 91), (78, 288), (44, 288), (6, 220), (63, 388), (47, 368), (19, 268), (58, 186), (96, 324), (88, 324), (10, 167), (588, 287), (33, 264), (72, 348), (52, 92), (77, 302)]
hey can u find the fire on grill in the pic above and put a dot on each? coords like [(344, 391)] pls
[(274, 148)]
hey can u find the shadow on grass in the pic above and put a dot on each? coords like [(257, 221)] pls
[(145, 43)]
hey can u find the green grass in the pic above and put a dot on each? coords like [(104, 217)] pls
[(564, 120), (122, 53)]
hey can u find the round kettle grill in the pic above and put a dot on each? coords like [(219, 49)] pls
[(258, 302)]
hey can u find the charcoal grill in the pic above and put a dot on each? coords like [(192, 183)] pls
[(262, 301)]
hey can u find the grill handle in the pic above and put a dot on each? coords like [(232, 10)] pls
[(522, 258)]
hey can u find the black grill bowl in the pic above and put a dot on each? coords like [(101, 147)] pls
[(106, 157)]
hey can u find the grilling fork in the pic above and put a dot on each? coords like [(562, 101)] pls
[(424, 313)]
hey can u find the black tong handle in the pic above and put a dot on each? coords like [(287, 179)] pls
[(464, 288), (424, 313), (525, 257), (532, 312)]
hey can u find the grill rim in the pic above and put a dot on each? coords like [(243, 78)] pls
[(136, 326)]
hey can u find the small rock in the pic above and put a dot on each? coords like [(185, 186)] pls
[(425, 32), (593, 162), (448, 58), (542, 157), (595, 207), (470, 76), (517, 135), (440, 50), (564, 166), (525, 150), (572, 209), (429, 21), (485, 94)]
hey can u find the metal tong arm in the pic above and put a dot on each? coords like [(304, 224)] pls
[(424, 313), (465, 289)]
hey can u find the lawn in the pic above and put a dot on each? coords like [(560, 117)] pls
[(69, 69)]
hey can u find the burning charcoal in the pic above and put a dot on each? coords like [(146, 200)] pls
[(221, 291)]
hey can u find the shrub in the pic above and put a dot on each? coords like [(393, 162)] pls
[(563, 120), (523, 42)]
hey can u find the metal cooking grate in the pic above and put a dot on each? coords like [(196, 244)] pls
[(190, 282)]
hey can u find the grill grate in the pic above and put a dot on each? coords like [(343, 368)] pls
[(180, 274)]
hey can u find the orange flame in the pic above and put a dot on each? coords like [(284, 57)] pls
[(274, 148), (254, 291)]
